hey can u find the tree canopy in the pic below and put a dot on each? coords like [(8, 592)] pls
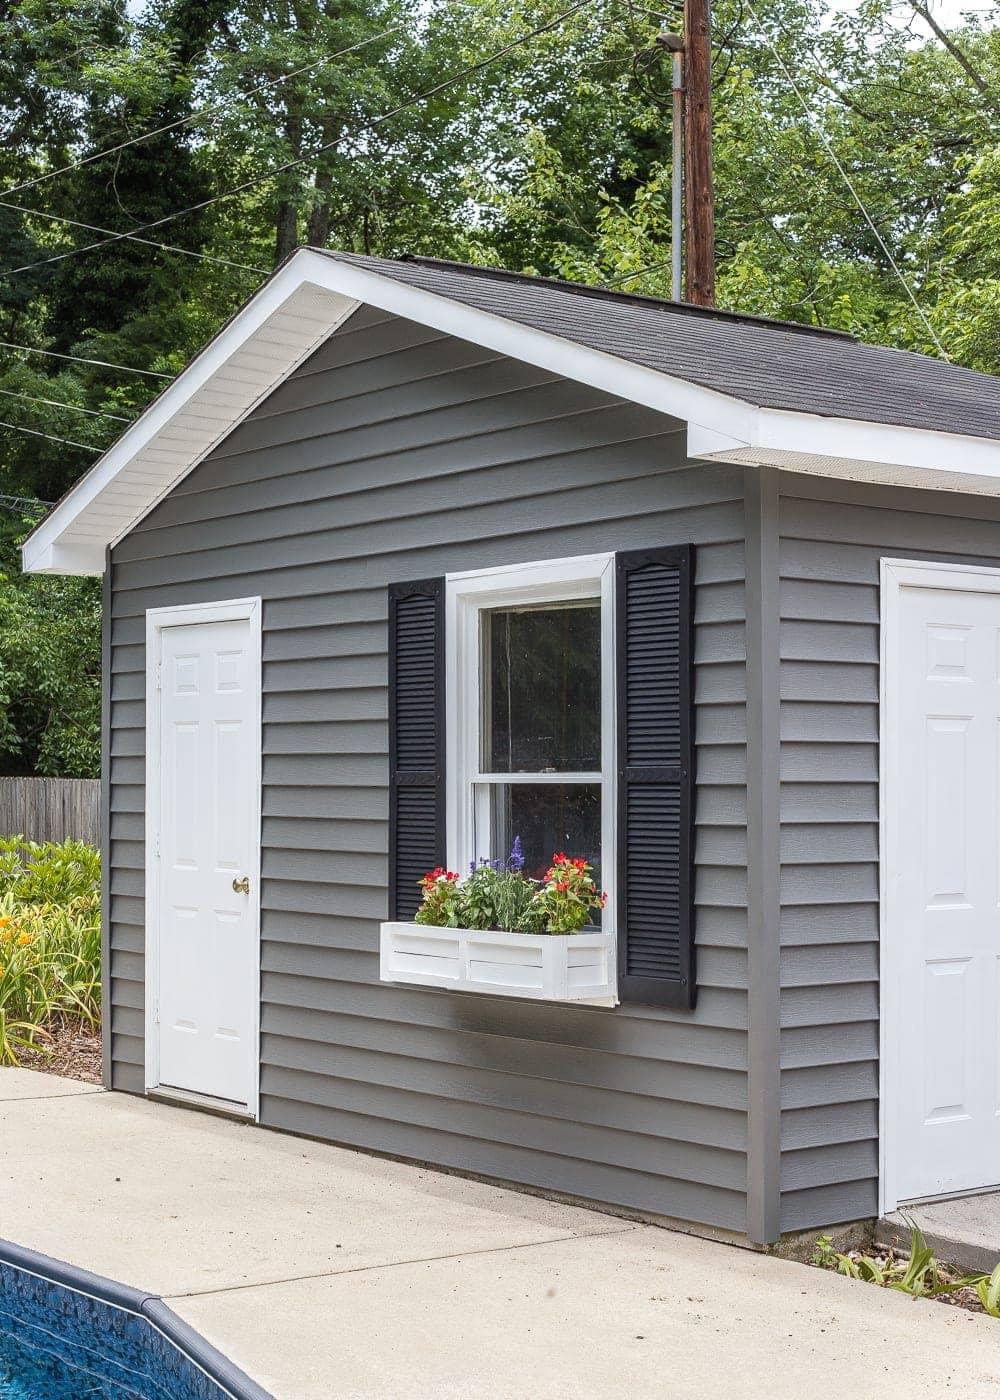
[(857, 180)]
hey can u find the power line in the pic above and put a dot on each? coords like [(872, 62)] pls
[(60, 403), (828, 146), (200, 115), (300, 160), (82, 360), (67, 442), (150, 242), (639, 272), (24, 500)]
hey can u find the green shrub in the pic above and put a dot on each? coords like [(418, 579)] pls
[(50, 941), (54, 872)]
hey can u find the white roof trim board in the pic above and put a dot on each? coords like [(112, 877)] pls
[(313, 294)]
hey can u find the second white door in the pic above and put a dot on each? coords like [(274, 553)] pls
[(945, 1117)]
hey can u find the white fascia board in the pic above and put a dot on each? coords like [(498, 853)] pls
[(721, 427), (895, 445)]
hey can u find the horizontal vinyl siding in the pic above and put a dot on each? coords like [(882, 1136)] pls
[(833, 536), (395, 453)]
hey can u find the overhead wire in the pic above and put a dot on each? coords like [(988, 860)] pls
[(82, 359), (61, 403), (150, 242), (23, 500), (831, 152), (272, 174), (67, 442)]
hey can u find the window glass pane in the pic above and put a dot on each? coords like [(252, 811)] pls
[(548, 817), (541, 688)]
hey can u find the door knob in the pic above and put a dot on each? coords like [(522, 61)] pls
[(241, 886)]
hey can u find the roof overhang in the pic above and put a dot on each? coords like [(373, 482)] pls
[(314, 293)]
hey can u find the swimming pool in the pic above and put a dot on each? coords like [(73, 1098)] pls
[(69, 1335)]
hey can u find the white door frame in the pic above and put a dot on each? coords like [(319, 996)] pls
[(157, 619), (897, 574)]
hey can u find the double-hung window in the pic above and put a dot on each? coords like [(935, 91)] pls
[(530, 715)]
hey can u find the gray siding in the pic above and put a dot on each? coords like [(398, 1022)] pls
[(833, 536), (399, 453)]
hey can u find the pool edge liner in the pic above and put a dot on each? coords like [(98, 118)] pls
[(148, 1306)]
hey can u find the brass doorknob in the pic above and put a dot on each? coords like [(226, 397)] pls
[(241, 886)]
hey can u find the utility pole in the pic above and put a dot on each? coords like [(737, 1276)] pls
[(699, 198)]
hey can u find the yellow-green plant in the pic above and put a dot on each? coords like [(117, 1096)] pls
[(987, 1287), (920, 1275), (50, 942)]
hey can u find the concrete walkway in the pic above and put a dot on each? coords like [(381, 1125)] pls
[(963, 1231), (327, 1274)]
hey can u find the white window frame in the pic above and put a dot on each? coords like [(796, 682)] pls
[(466, 596)]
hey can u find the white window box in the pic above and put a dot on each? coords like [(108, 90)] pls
[(576, 967)]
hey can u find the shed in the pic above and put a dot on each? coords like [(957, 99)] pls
[(415, 557)]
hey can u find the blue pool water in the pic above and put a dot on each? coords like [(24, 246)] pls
[(60, 1344)]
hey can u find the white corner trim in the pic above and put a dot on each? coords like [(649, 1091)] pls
[(719, 423), (157, 619), (895, 576)]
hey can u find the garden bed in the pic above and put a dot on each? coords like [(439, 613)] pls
[(50, 955), (917, 1273), (74, 1051)]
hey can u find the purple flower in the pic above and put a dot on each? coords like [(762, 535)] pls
[(516, 855)]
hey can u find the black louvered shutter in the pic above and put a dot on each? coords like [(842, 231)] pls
[(416, 739), (655, 778)]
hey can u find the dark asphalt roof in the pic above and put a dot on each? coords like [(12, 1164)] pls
[(773, 364)]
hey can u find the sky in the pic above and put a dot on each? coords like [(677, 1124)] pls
[(948, 13)]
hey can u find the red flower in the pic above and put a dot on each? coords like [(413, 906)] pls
[(559, 858), (580, 863), (562, 886)]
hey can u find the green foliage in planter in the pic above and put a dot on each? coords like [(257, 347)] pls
[(498, 895)]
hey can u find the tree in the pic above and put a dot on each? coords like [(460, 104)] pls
[(50, 671), (341, 123)]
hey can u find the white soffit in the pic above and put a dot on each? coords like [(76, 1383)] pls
[(305, 302)]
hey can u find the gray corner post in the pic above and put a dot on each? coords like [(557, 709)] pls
[(763, 858)]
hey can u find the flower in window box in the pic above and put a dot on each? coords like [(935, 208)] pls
[(567, 897), (496, 894), (441, 899)]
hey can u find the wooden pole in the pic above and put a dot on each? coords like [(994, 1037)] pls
[(699, 198)]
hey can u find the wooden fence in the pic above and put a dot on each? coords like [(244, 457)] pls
[(51, 809)]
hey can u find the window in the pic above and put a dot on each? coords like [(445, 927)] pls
[(530, 715), (550, 703)]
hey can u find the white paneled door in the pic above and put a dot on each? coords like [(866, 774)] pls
[(205, 825), (941, 989)]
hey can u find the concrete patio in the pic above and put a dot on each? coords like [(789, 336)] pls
[(963, 1230), (325, 1273)]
